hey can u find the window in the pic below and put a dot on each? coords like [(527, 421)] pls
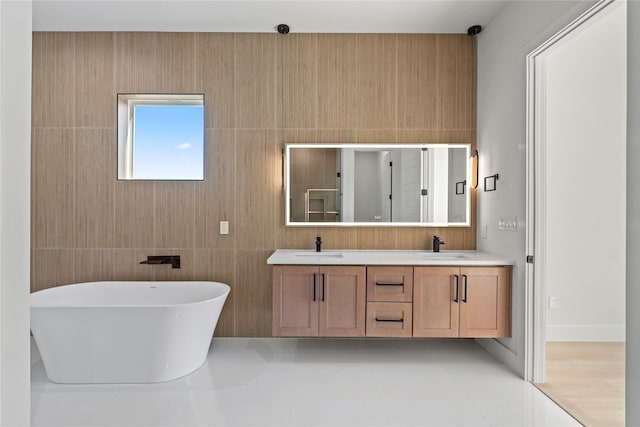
[(161, 137)]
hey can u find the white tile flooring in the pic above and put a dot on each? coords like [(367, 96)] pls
[(312, 382)]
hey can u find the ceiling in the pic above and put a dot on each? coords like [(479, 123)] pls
[(302, 16)]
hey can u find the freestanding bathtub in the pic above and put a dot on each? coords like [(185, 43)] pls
[(125, 332)]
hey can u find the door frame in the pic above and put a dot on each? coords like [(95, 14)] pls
[(535, 291)]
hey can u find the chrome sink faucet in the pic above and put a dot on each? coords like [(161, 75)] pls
[(318, 243), (436, 243)]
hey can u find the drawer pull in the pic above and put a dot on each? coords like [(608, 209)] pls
[(389, 284), (389, 320)]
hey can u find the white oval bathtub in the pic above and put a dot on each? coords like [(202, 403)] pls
[(125, 332)]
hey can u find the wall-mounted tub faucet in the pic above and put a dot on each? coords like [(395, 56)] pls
[(174, 260), (318, 243), (436, 243)]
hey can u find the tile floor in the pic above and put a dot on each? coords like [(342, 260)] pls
[(312, 382)]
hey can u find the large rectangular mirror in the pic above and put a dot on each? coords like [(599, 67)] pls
[(377, 184)]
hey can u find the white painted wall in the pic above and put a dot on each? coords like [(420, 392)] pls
[(15, 145), (518, 29), (585, 163), (632, 373)]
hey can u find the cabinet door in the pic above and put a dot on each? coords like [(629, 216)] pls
[(295, 301), (485, 302), (435, 301), (342, 301)]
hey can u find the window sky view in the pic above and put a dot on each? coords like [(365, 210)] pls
[(169, 142)]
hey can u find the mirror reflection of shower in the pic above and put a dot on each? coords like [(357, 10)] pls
[(368, 196)]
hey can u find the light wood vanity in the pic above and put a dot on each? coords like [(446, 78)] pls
[(311, 301), (390, 294)]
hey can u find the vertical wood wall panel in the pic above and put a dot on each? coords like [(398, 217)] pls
[(93, 265), (253, 294), (257, 186), (214, 197), (86, 225), (215, 77), (377, 78), (135, 63), (255, 82), (52, 188), (376, 136), (52, 267), (187, 268), (174, 61), (338, 94), (53, 79), (95, 80), (126, 265), (175, 214), (219, 266), (417, 81), (135, 214), (456, 82), (94, 188), (300, 106)]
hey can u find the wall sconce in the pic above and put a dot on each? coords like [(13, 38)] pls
[(474, 169), (490, 182), (283, 158)]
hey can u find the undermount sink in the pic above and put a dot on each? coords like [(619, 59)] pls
[(442, 257), (319, 254)]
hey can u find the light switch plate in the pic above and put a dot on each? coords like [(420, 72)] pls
[(224, 227), (508, 223)]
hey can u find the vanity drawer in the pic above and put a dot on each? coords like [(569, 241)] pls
[(389, 319), (390, 284)]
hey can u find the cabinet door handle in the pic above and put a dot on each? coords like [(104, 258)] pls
[(314, 287), (389, 320), (322, 287), (464, 299), (457, 288), (389, 284)]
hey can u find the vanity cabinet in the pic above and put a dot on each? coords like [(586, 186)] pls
[(327, 301), (465, 302), (390, 294)]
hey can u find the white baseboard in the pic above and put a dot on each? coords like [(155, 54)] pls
[(590, 333), (503, 353)]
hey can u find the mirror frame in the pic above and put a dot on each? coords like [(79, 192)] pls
[(287, 186)]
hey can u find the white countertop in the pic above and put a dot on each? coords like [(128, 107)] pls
[(384, 257)]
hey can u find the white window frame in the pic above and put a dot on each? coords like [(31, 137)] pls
[(126, 123)]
